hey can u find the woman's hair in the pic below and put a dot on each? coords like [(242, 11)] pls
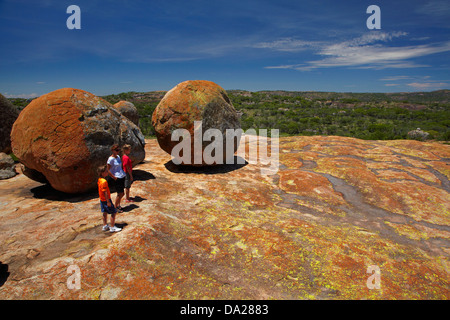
[(126, 147), (114, 147), (101, 169)]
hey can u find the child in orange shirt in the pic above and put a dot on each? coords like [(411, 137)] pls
[(105, 200)]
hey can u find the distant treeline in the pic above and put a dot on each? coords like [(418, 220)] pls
[(370, 116)]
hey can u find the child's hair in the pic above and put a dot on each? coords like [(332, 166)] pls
[(126, 147), (101, 169), (114, 146)]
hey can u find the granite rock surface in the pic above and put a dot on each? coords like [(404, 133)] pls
[(335, 208)]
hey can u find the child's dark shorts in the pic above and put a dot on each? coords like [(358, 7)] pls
[(128, 181), (105, 208)]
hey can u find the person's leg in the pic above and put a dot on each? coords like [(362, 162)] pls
[(104, 218), (113, 219), (127, 194), (120, 184), (118, 199)]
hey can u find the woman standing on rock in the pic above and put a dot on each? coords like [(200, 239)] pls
[(116, 172)]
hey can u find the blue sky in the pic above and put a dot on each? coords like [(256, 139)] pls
[(320, 45)]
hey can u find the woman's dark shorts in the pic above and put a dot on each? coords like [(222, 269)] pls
[(119, 185)]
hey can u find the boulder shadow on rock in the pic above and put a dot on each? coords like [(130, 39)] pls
[(217, 169), (46, 191)]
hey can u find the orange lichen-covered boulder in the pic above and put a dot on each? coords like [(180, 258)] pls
[(66, 134), (189, 102)]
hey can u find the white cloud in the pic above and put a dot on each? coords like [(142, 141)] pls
[(367, 52), (396, 78), (416, 82), (21, 95), (428, 85), (288, 44), (435, 8)]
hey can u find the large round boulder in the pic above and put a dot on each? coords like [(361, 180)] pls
[(128, 110), (195, 107), (66, 134), (9, 114)]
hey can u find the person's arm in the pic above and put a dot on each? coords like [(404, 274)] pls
[(130, 170), (108, 200), (108, 166)]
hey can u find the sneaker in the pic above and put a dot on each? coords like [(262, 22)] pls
[(114, 229), (105, 227)]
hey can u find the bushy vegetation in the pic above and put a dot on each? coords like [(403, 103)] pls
[(370, 116), (348, 116)]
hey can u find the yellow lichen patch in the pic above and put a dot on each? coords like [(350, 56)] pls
[(424, 174), (308, 155), (337, 150), (414, 163), (418, 232), (321, 207), (412, 198), (294, 144), (441, 166), (408, 230), (310, 184), (382, 157), (390, 174), (389, 170), (291, 160), (414, 148)]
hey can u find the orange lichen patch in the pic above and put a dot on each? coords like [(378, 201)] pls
[(433, 232), (380, 150), (409, 231), (311, 185), (420, 201), (294, 144), (435, 148), (389, 169), (340, 165), (414, 163), (291, 160), (418, 232), (417, 149), (441, 166), (382, 157), (422, 279), (424, 174), (308, 155), (390, 174), (321, 207), (337, 150)]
